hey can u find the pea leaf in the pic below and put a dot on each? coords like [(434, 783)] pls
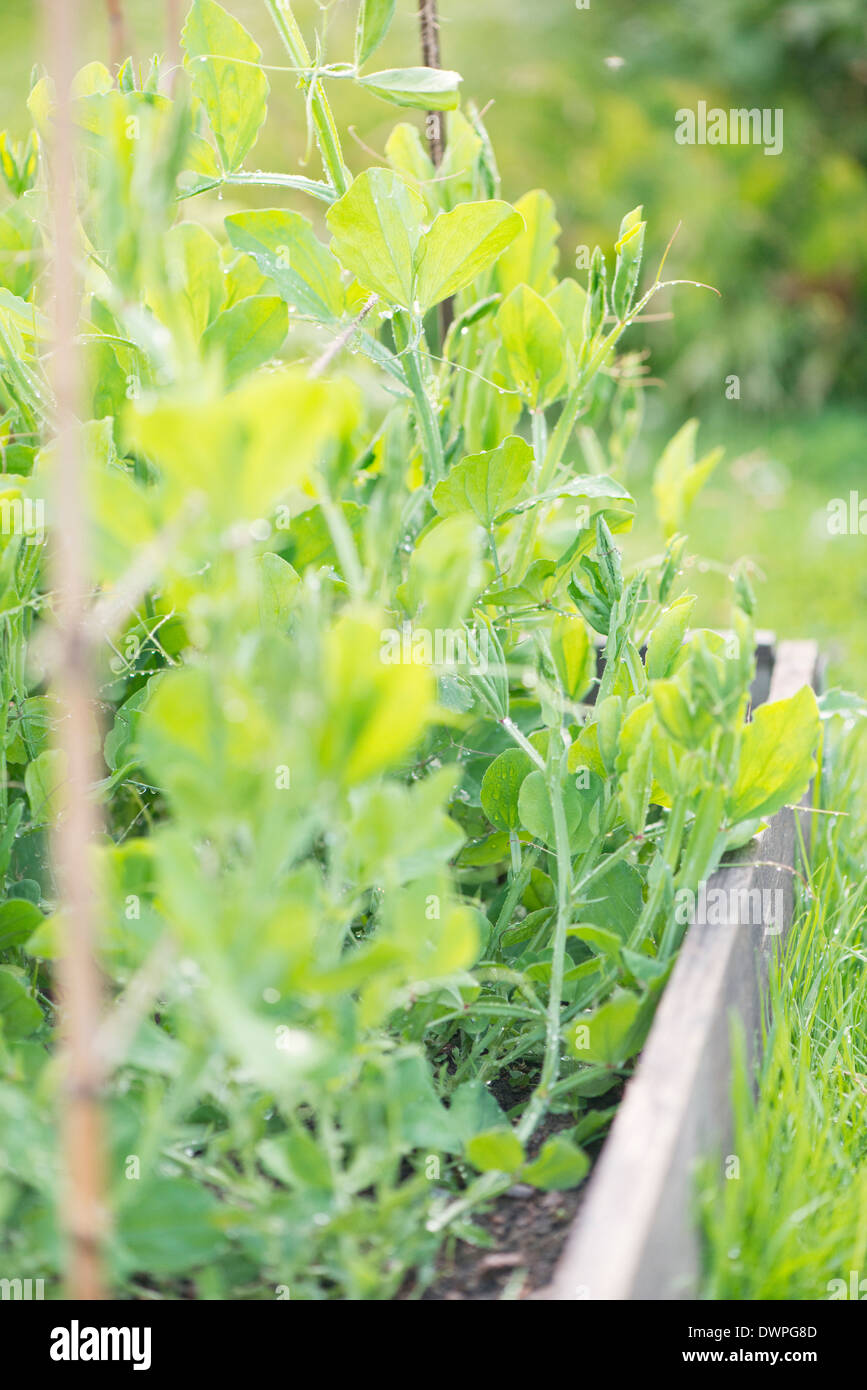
[(18, 920), (248, 335), (501, 785), (428, 89), (374, 18), (536, 812), (375, 228), (678, 478), (43, 781), (776, 759), (234, 93), (496, 1150), (558, 1166), (532, 256), (170, 1227), (534, 344), (636, 781), (473, 1109), (196, 282), (608, 1035), (20, 1015), (568, 299), (232, 448), (459, 245), (286, 249), (667, 637), (574, 654), (278, 589), (19, 250), (486, 484)]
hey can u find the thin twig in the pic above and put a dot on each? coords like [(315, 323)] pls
[(323, 362), (83, 1211), (120, 1027)]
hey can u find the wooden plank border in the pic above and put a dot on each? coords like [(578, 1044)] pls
[(635, 1236)]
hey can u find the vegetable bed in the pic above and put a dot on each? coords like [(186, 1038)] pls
[(346, 876), (637, 1234)]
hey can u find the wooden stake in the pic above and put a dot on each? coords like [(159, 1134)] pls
[(430, 51), (117, 42), (83, 1214), (429, 25)]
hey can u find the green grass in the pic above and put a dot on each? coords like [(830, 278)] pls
[(795, 1219), (768, 501)]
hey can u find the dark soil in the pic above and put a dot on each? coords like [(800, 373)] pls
[(526, 1228)]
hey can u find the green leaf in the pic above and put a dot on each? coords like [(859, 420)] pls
[(406, 154), (667, 637), (608, 1035), (486, 484), (536, 812), (231, 447), (120, 736), (496, 1150), (534, 344), (532, 256), (20, 1015), (278, 589), (459, 245), (678, 479), (248, 335), (43, 780), (501, 785), (196, 283), (297, 1160), (169, 1227), (473, 1109), (569, 302), (559, 1165), (599, 939), (285, 248), (18, 920), (20, 243), (616, 900), (427, 89), (223, 61), (574, 654), (636, 781), (375, 228), (777, 757), (374, 19)]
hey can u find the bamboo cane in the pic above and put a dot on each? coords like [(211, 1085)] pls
[(82, 1211)]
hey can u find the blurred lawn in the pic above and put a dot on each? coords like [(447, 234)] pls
[(783, 238)]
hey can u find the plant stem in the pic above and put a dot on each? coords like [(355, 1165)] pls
[(426, 417), (326, 131), (551, 1062), (527, 533)]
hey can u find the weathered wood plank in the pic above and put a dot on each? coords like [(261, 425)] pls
[(635, 1236)]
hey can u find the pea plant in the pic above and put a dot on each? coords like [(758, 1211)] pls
[(402, 769)]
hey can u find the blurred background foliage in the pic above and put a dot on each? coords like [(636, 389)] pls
[(583, 102)]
